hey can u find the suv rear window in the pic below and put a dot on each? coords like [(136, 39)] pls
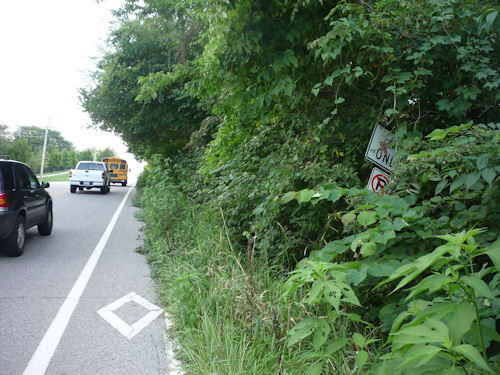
[(6, 177)]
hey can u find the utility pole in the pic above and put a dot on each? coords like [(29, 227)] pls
[(44, 147)]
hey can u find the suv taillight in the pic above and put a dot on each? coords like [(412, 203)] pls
[(103, 175), (70, 173), (4, 204)]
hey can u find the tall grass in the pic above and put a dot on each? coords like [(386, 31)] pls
[(225, 303)]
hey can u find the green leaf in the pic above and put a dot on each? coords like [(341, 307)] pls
[(442, 184), (489, 175), (494, 253), (320, 337), (461, 320), (482, 162), (471, 179), (368, 249), (291, 195), (479, 286), (301, 331), (366, 218), (315, 369), (458, 182), (471, 353), (359, 340), (305, 195), (348, 218), (335, 345), (361, 359), (437, 134), (316, 289), (339, 100), (423, 352)]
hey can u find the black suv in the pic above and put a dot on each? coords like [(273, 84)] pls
[(24, 203)]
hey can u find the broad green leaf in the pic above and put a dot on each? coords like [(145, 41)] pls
[(348, 218), (430, 284), (423, 352), (355, 277), (461, 320), (361, 359), (471, 179), (332, 294), (291, 195), (359, 339), (334, 195), (489, 175), (437, 134), (301, 331), (366, 218), (316, 289), (458, 182), (335, 345), (479, 286), (315, 369), (321, 333), (442, 184), (494, 253), (368, 249), (305, 195), (471, 353), (482, 162)]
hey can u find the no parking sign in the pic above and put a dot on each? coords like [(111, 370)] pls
[(378, 180)]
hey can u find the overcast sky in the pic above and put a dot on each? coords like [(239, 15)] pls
[(47, 51)]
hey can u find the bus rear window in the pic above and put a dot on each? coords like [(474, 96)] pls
[(122, 166)]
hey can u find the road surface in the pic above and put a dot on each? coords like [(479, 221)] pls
[(78, 302)]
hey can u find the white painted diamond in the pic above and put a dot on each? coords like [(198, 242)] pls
[(129, 331)]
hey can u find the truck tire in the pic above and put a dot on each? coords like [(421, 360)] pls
[(104, 190), (124, 183), (72, 188), (14, 244), (45, 228)]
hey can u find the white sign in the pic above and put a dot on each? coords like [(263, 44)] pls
[(378, 180), (378, 151), (129, 331)]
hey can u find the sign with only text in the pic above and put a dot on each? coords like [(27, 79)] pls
[(378, 180), (378, 151)]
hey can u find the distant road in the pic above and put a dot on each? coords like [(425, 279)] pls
[(76, 303)]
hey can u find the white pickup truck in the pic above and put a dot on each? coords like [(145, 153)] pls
[(88, 175)]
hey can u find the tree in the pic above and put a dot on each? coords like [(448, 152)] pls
[(20, 150), (107, 152), (141, 46), (86, 154)]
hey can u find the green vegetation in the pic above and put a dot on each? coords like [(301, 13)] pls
[(60, 176), (254, 117), (26, 145)]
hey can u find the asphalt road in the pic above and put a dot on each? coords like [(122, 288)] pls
[(55, 316)]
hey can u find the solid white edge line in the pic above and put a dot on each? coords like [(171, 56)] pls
[(47, 347), (174, 365)]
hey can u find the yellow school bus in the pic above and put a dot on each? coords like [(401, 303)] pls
[(118, 169)]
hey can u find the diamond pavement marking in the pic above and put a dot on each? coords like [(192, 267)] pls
[(129, 331)]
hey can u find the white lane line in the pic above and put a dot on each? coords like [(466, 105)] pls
[(47, 347)]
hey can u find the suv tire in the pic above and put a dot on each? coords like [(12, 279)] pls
[(14, 244), (45, 228), (72, 188)]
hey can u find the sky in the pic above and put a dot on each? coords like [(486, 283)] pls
[(47, 50)]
